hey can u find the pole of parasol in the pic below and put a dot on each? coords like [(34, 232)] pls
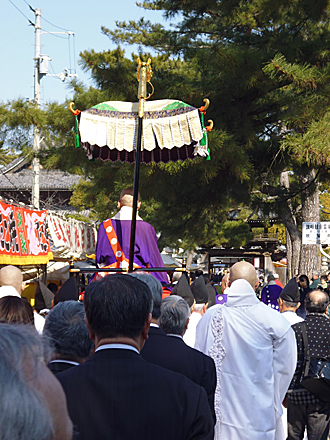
[(142, 95)]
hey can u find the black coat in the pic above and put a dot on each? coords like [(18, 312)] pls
[(172, 353), (303, 292), (116, 395), (318, 336)]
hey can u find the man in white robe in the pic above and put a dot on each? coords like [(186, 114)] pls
[(255, 354)]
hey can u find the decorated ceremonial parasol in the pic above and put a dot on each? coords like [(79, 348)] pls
[(147, 131)]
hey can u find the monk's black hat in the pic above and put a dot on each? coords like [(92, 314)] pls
[(68, 292), (200, 291), (182, 289), (290, 293), (43, 297)]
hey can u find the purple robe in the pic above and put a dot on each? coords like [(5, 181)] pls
[(145, 250), (270, 294)]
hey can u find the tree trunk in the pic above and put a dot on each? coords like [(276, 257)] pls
[(288, 255), (310, 213), (204, 263), (190, 259), (290, 222), (295, 237)]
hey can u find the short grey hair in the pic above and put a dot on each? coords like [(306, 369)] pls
[(198, 307), (174, 314), (156, 290), (67, 332), (23, 415), (290, 303)]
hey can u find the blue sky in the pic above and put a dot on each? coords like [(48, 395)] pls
[(83, 17)]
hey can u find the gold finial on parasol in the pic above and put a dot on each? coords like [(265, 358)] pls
[(144, 74)]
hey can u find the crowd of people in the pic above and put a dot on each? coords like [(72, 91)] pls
[(209, 361), (220, 357)]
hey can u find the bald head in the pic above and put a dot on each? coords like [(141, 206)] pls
[(243, 271), (316, 301), (11, 276), (126, 198)]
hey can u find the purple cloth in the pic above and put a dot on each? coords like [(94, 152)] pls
[(270, 295), (145, 251), (221, 298)]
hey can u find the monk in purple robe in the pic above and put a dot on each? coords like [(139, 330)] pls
[(270, 293), (146, 253)]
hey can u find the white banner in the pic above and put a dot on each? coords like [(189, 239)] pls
[(316, 233), (78, 237)]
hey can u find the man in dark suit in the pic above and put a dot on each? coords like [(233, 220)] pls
[(67, 331), (305, 410), (116, 394), (166, 348)]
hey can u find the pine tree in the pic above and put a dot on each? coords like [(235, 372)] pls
[(265, 67)]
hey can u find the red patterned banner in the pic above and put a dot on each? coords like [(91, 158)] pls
[(23, 238)]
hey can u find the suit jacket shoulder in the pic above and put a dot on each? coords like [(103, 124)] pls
[(173, 354), (116, 395)]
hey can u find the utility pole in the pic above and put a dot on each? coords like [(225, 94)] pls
[(36, 135), (40, 70)]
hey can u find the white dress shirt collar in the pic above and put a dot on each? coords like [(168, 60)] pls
[(64, 362), (177, 336), (117, 346)]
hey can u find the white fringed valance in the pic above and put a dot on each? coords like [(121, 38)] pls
[(166, 124)]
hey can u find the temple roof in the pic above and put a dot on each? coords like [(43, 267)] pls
[(18, 176)]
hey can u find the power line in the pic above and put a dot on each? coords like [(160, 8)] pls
[(49, 32), (32, 9), (51, 66), (54, 35), (32, 24), (58, 27)]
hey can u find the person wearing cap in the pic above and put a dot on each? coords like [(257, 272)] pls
[(43, 298), (182, 289), (198, 309), (289, 302), (68, 292), (113, 240), (212, 291), (270, 293), (43, 302), (305, 410)]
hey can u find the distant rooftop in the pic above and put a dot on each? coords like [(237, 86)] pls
[(17, 176)]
